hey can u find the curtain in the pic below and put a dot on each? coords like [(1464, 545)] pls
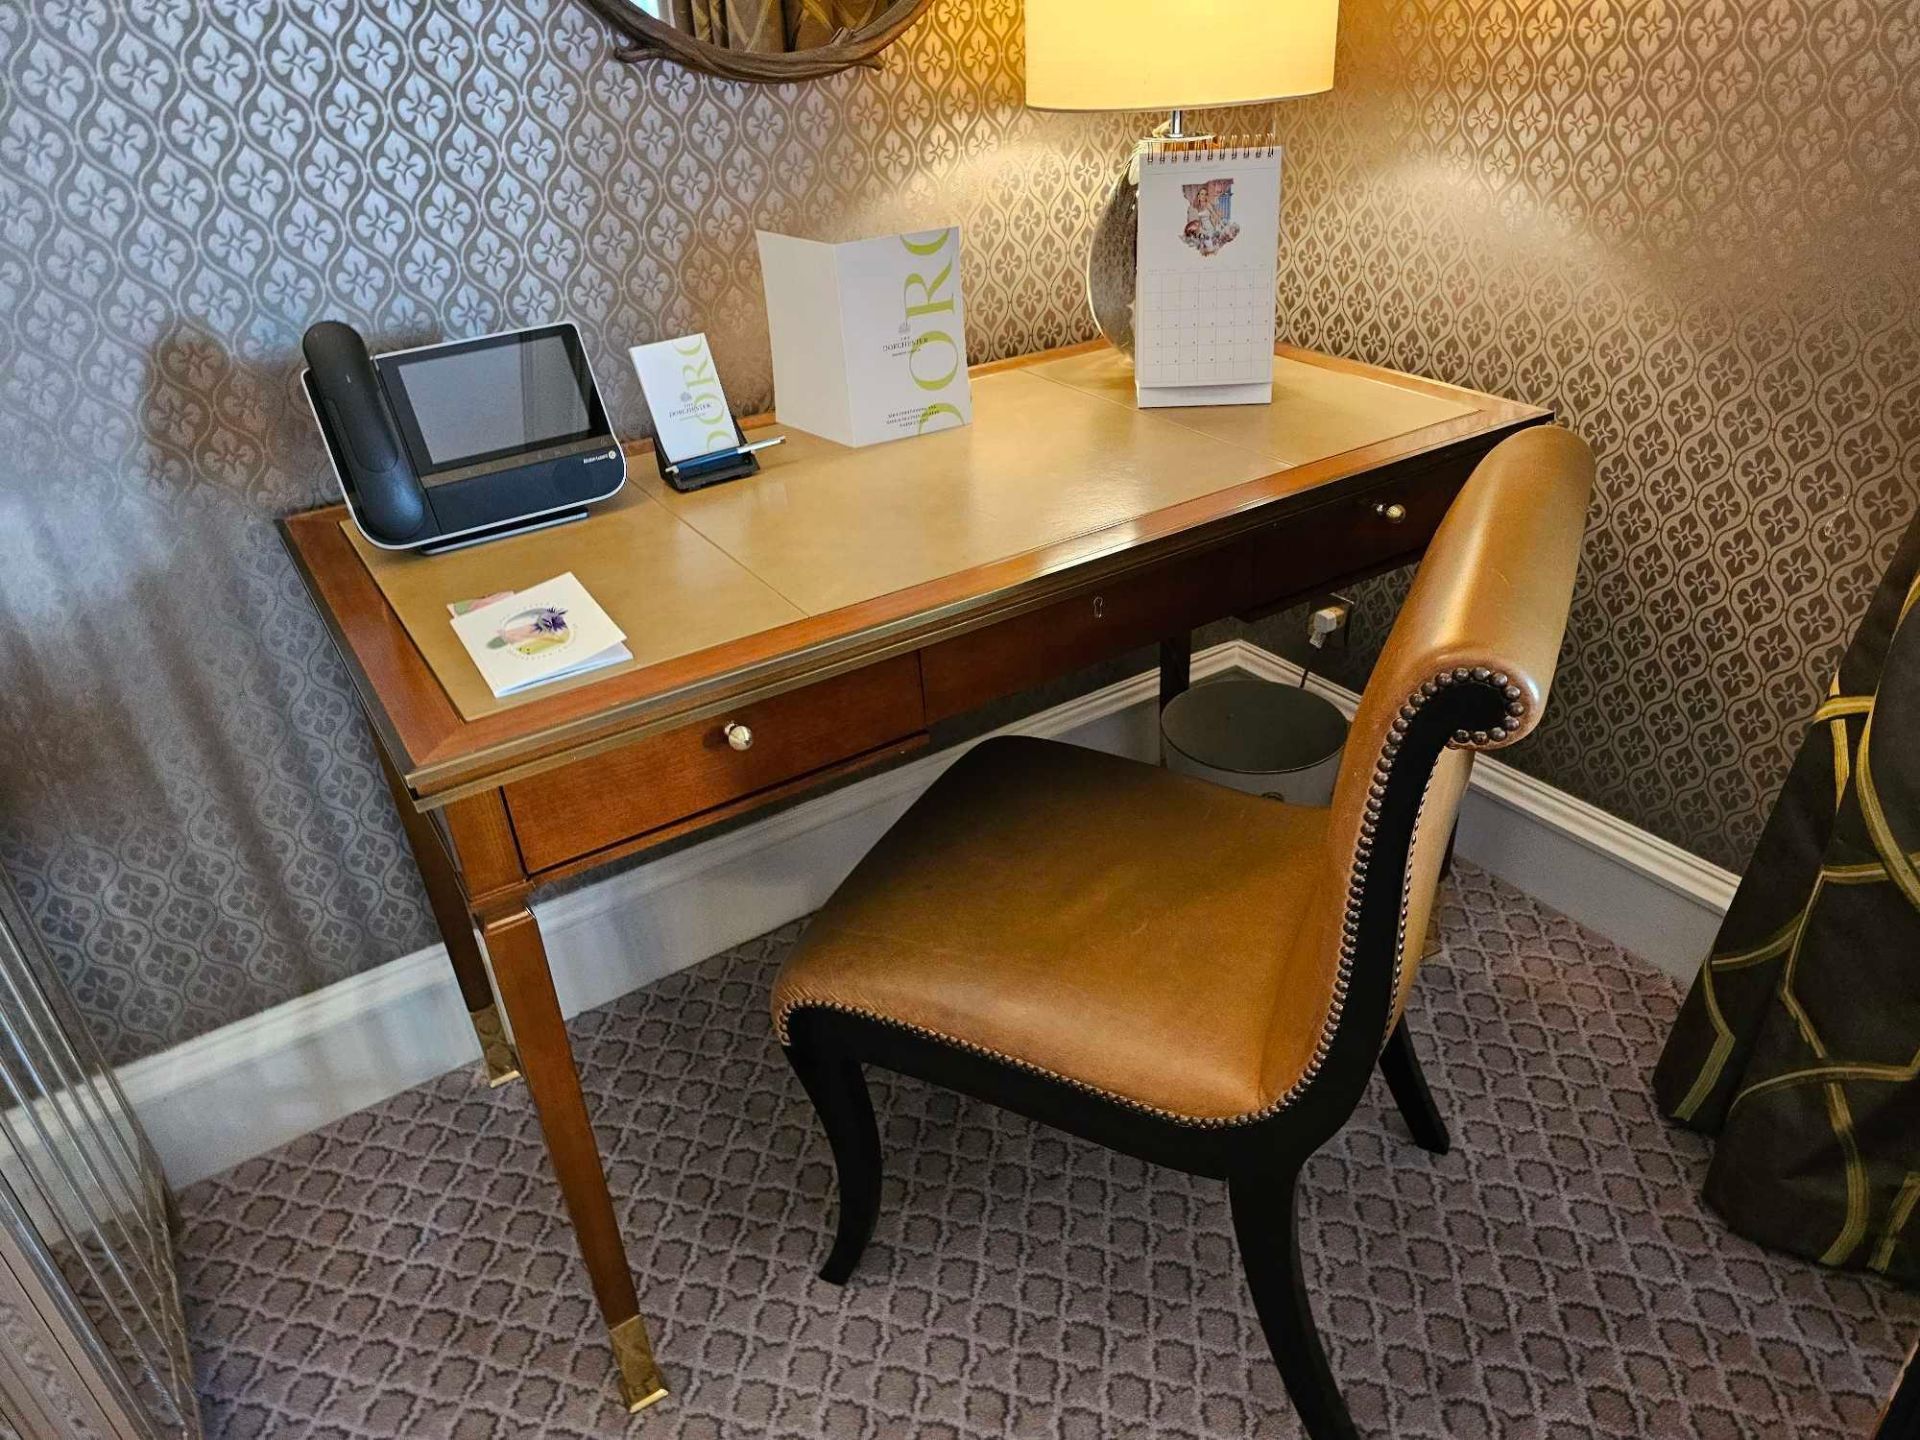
[(773, 26), (1799, 1044)]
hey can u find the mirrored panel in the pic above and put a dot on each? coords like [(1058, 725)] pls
[(765, 41)]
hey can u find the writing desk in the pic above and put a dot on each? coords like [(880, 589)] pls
[(813, 621)]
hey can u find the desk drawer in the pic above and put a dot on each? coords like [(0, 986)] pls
[(1355, 536), (1045, 643), (608, 798)]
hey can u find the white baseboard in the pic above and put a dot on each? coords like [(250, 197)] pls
[(252, 1086)]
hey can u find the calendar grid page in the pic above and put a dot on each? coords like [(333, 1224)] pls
[(1208, 246)]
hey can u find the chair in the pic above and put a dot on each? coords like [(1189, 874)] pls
[(1196, 977)]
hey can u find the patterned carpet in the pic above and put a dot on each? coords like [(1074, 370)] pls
[(407, 1272)]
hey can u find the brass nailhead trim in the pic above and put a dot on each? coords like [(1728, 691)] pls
[(1349, 928)]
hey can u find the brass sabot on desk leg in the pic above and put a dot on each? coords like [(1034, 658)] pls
[(503, 1065), (641, 1382)]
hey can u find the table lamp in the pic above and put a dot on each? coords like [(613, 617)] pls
[(1149, 55)]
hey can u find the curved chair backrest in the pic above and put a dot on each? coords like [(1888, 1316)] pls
[(1467, 668)]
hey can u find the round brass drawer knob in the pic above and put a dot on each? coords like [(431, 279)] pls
[(1393, 514), (738, 735)]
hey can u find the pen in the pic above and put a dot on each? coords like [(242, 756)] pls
[(728, 454)]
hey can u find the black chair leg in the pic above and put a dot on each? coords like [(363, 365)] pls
[(838, 1089), (1263, 1220), (1402, 1069)]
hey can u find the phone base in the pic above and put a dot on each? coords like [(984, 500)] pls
[(697, 472), (502, 531)]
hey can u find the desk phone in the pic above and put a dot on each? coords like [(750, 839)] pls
[(452, 444)]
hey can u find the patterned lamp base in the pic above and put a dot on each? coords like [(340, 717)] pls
[(1112, 259)]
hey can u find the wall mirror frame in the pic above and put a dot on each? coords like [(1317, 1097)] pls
[(647, 37)]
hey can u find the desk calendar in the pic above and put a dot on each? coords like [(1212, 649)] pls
[(1203, 310)]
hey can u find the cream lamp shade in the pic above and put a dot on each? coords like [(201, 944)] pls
[(1156, 55)]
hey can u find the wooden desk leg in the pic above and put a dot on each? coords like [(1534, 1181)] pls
[(526, 988), (1176, 667), (456, 930)]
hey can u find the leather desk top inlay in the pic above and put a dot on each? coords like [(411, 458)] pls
[(670, 589), (1056, 450), (828, 526), (1316, 411)]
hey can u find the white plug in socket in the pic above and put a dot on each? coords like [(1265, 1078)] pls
[(1324, 622)]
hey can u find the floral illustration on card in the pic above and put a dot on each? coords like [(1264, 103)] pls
[(534, 632), (1210, 226)]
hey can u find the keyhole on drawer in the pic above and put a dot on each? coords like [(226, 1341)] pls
[(1099, 606)]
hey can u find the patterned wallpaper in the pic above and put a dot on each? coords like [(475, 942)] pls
[(1684, 225), (1691, 228)]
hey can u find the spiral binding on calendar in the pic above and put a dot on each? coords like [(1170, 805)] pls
[(1214, 148)]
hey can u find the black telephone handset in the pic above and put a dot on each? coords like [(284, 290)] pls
[(387, 496)]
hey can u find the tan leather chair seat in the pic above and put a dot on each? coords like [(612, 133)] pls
[(1104, 921)]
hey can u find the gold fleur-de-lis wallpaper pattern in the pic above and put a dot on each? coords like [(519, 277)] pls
[(1687, 226), (1694, 230)]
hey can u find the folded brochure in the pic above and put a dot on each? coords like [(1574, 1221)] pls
[(529, 637)]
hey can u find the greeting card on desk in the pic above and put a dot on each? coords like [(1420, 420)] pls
[(549, 632), (1203, 306), (690, 415), (869, 337)]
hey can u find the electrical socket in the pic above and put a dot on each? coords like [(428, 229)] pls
[(1327, 616)]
